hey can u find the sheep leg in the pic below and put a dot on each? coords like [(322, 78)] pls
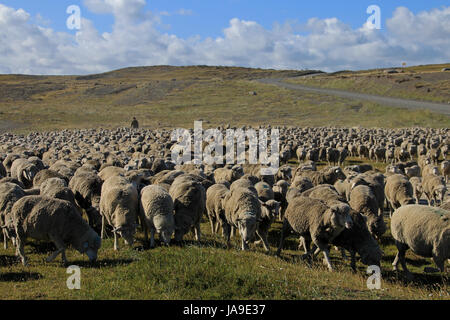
[(263, 237), (326, 254), (212, 221), (233, 231), (116, 242), (21, 252), (5, 240), (284, 231), (217, 226), (440, 263), (60, 249), (197, 232), (353, 260), (152, 237), (401, 257), (103, 227), (226, 230)]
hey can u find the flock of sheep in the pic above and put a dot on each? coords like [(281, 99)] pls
[(73, 188)]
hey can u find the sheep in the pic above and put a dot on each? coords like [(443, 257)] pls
[(156, 209), (445, 168), (119, 207), (9, 194), (269, 210), (424, 230), (8, 161), (24, 171), (55, 220), (413, 171), (363, 200), (416, 183), (359, 240), (229, 175), (189, 198), (326, 176), (214, 206), (303, 183), (314, 220), (280, 190), (45, 174), (87, 187), (399, 192), (265, 192), (57, 188), (110, 171), (3, 172), (242, 211), (434, 188), (284, 173)]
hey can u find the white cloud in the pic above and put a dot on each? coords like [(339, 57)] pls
[(135, 40)]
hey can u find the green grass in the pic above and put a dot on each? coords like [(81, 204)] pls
[(209, 271)]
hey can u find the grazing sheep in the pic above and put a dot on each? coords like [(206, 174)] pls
[(435, 189), (399, 192), (242, 211), (424, 230), (24, 171), (363, 200), (358, 239), (214, 205), (189, 199), (157, 212), (119, 207), (57, 188), (316, 222), (55, 220)]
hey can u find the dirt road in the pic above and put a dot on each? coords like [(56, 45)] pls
[(395, 102)]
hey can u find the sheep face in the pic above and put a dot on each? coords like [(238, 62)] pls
[(165, 226), (439, 193), (91, 246), (273, 208), (127, 234), (340, 217), (377, 226), (247, 228)]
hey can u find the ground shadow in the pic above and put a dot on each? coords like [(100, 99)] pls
[(6, 261), (103, 263), (19, 276)]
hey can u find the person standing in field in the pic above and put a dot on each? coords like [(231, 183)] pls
[(134, 123)]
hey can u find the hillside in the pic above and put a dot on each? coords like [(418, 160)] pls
[(165, 96)]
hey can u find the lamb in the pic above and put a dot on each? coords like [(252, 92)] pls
[(242, 211), (189, 198), (399, 192), (214, 206), (363, 200), (87, 188), (119, 207), (314, 220), (24, 171), (55, 220), (435, 189), (424, 230), (156, 209)]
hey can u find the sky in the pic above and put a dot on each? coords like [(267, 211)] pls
[(328, 35)]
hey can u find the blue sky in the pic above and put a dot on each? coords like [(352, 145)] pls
[(210, 17), (295, 34)]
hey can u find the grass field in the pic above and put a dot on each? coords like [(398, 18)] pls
[(210, 271), (426, 83), (177, 96)]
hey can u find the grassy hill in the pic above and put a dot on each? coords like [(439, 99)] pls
[(428, 83), (165, 96)]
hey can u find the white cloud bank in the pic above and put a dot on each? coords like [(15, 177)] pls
[(135, 40)]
